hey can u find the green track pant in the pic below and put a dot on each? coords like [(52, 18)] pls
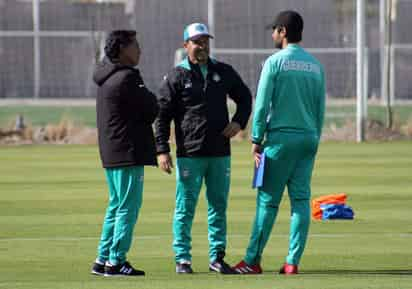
[(125, 199), (289, 162), (190, 174)]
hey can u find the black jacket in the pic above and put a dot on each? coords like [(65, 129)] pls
[(199, 108), (125, 110)]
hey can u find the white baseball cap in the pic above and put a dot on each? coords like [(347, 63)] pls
[(195, 30)]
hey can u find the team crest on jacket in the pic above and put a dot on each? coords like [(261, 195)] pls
[(216, 77), (188, 84)]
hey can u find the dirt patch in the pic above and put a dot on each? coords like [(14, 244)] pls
[(375, 131), (68, 132)]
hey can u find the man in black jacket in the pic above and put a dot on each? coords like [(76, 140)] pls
[(126, 110), (194, 95)]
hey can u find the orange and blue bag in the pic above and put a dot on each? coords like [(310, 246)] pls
[(336, 199)]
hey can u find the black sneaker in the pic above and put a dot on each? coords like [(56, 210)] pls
[(124, 269), (184, 268), (97, 269), (220, 266)]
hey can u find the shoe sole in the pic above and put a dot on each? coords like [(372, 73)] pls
[(96, 273), (114, 275), (184, 272), (247, 273), (121, 275), (215, 269)]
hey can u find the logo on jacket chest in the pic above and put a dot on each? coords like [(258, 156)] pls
[(188, 84), (140, 83), (216, 77)]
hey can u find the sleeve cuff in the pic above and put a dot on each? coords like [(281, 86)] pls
[(163, 149), (242, 124)]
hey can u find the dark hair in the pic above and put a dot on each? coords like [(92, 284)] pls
[(293, 22), (116, 40)]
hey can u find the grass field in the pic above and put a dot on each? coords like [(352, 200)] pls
[(86, 115), (52, 201)]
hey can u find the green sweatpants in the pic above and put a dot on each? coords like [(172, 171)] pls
[(190, 173), (125, 199), (289, 162)]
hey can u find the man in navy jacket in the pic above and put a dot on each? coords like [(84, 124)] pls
[(125, 110)]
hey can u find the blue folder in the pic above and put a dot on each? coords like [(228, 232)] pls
[(259, 172)]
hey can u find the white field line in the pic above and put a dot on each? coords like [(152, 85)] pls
[(236, 236)]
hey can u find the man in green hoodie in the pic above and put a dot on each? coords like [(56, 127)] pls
[(287, 127)]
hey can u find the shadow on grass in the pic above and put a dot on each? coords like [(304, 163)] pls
[(358, 272), (321, 272)]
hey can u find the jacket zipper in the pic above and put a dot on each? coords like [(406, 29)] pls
[(205, 84)]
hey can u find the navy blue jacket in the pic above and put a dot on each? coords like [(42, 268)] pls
[(125, 111), (199, 108)]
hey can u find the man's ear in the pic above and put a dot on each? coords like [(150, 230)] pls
[(121, 50), (282, 30)]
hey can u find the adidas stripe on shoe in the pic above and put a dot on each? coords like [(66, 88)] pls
[(124, 269), (243, 268)]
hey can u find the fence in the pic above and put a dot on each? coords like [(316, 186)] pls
[(52, 56)]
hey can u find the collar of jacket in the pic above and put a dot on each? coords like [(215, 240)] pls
[(186, 64), (195, 69), (118, 66), (106, 68)]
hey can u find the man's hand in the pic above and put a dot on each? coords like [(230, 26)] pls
[(165, 162), (257, 153), (231, 129)]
